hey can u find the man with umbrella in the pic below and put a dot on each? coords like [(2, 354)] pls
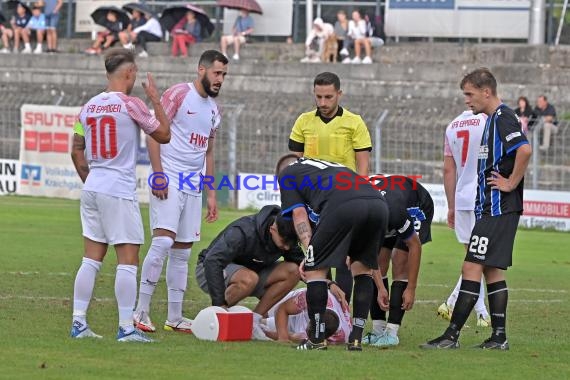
[(144, 28), (114, 20)]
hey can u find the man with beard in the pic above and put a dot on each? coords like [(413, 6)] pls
[(176, 197)]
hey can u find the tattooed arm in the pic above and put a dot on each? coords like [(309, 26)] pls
[(78, 157), (302, 226)]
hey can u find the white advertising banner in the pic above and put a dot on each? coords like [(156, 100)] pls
[(458, 18), (9, 176), (84, 8), (45, 147), (542, 209), (277, 18), (256, 190)]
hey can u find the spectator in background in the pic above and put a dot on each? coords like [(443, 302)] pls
[(147, 29), (357, 30), (107, 38), (547, 112), (51, 12), (19, 22), (242, 28), (314, 44), (36, 24), (187, 32), (525, 113), (341, 32), (7, 34), (127, 36)]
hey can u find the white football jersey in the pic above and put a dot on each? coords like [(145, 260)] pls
[(462, 141), (194, 120), (111, 122), (298, 323)]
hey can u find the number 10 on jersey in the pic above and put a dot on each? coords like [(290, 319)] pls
[(103, 137)]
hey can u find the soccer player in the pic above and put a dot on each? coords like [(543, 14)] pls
[(176, 206), (350, 219), (104, 151), (503, 158), (242, 261), (462, 140), (289, 318), (334, 134), (409, 227)]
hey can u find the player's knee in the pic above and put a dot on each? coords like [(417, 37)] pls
[(180, 255), (161, 245), (247, 279)]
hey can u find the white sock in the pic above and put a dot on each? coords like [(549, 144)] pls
[(378, 326), (453, 296), (480, 308), (176, 281), (27, 45), (126, 294), (151, 269), (392, 329), (83, 289)]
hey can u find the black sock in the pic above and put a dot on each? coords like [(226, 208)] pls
[(468, 295), (363, 289), (396, 294), (498, 296), (344, 280), (317, 295), (376, 314)]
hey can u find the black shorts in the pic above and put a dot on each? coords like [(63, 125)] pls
[(492, 240), (424, 232), (355, 228)]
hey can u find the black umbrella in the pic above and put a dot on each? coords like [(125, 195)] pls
[(171, 16), (11, 5), (130, 7), (99, 16)]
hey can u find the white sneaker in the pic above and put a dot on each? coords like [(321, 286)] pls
[(38, 49), (143, 54), (184, 325), (344, 52), (134, 336), (80, 331), (128, 46), (306, 59), (258, 333), (27, 50), (347, 60), (4, 51), (356, 60), (235, 57), (141, 321), (367, 60)]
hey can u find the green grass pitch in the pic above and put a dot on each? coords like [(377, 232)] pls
[(41, 248)]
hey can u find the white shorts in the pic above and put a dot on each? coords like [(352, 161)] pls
[(231, 38), (180, 213), (111, 220), (464, 222)]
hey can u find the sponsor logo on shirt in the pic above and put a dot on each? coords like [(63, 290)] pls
[(512, 136), (483, 152)]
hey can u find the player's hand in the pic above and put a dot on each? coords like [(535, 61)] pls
[(212, 214), (408, 299), (160, 194), (150, 89), (383, 299), (451, 219), (498, 182), (302, 271), (340, 296)]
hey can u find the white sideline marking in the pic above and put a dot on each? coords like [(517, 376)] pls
[(250, 302), (68, 274)]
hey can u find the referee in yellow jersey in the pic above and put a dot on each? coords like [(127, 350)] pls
[(334, 134)]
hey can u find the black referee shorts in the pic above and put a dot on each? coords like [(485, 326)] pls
[(355, 228), (492, 241)]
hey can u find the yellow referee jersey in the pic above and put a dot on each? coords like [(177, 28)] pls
[(335, 141)]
